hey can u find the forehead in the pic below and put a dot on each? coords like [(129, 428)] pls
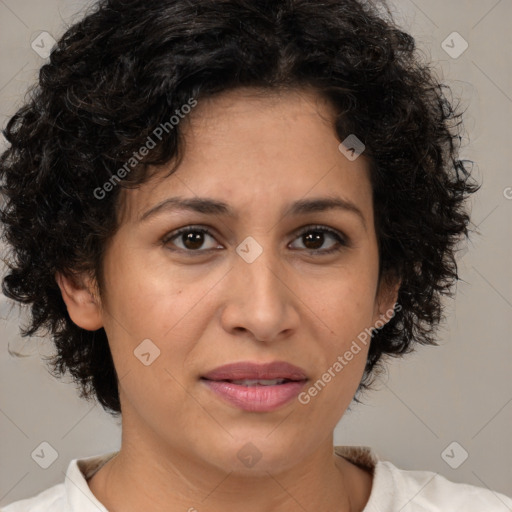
[(248, 148)]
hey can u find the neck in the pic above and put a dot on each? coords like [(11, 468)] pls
[(143, 477)]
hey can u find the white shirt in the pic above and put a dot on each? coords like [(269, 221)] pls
[(393, 489)]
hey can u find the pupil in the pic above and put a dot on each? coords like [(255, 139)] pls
[(317, 237), (193, 240)]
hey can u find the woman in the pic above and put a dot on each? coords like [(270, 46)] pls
[(227, 214)]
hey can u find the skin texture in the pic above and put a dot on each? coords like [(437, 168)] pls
[(258, 153)]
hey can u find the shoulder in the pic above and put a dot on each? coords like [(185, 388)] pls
[(53, 498), (73, 494), (426, 490), (419, 491)]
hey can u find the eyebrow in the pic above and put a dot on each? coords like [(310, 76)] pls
[(209, 206)]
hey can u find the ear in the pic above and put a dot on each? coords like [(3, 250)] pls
[(83, 304), (386, 299)]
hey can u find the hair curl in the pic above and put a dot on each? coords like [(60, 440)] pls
[(129, 64)]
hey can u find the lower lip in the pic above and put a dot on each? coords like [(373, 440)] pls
[(256, 398)]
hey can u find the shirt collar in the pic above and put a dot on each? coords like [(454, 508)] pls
[(80, 496)]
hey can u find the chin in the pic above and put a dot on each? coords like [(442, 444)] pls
[(258, 453)]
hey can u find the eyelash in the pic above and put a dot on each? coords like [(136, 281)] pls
[(342, 242)]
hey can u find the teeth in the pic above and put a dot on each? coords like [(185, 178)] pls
[(256, 382)]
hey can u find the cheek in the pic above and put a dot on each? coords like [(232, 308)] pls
[(156, 393), (152, 322), (345, 307), (343, 300), (147, 298)]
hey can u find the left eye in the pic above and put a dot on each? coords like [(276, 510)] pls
[(313, 237)]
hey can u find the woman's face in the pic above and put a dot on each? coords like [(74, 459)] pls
[(252, 289)]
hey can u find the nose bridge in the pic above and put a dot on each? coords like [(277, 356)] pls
[(257, 267)]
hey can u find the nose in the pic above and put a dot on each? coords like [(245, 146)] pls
[(260, 299)]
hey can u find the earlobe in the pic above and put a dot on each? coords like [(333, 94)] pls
[(83, 306), (386, 304)]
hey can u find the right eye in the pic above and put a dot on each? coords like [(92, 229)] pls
[(192, 239)]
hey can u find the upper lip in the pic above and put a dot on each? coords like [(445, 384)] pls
[(251, 370)]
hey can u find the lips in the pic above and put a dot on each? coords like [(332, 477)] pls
[(254, 371), (256, 387)]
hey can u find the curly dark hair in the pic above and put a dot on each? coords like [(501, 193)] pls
[(128, 65)]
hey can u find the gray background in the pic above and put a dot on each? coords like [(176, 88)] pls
[(458, 392)]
